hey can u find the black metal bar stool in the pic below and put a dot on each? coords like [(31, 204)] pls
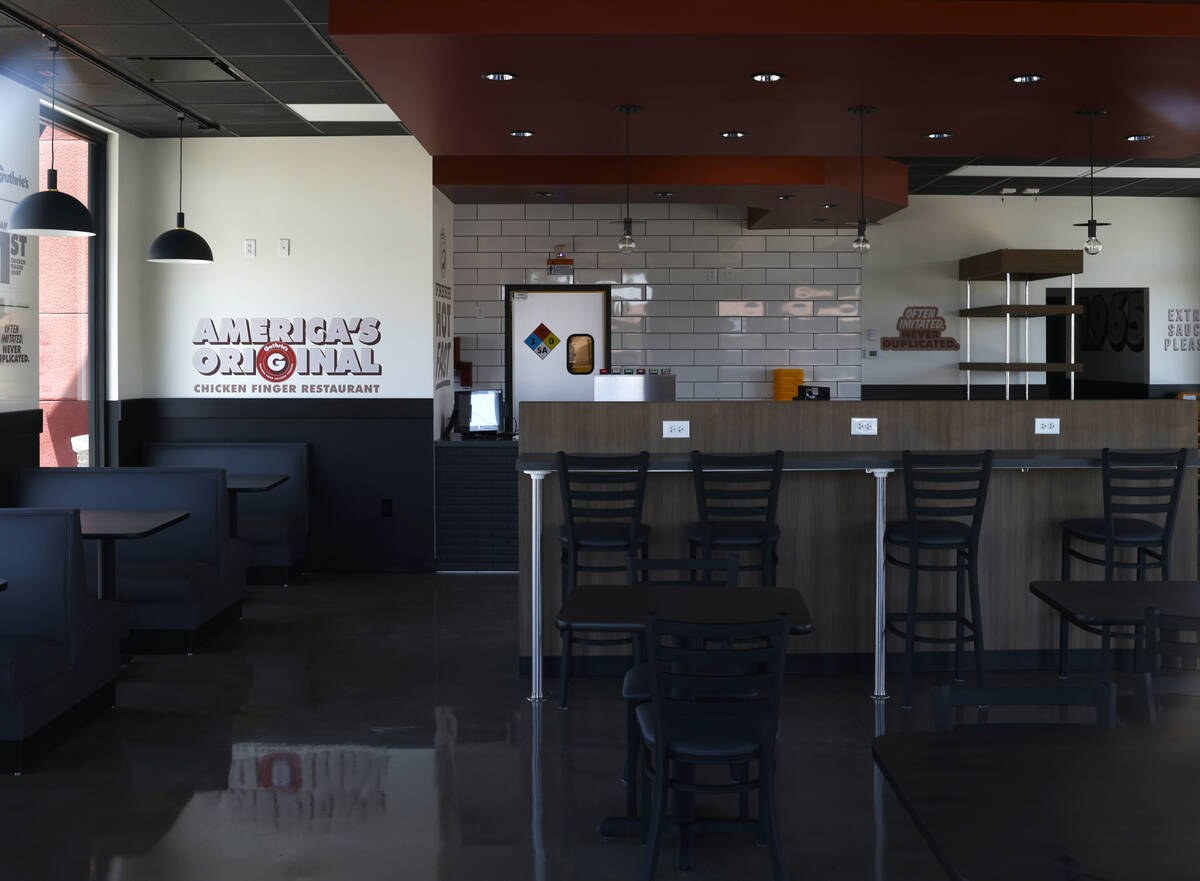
[(737, 497), (602, 499), (1137, 486), (944, 495)]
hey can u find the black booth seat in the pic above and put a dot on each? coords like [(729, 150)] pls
[(58, 646), (275, 523), (179, 579)]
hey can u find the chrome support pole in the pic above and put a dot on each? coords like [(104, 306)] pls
[(1027, 358), (880, 475), (536, 796), (877, 802), (535, 574), (967, 328)]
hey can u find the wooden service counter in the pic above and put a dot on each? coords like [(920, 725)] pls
[(828, 499)]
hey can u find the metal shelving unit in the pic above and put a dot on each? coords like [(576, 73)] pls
[(1011, 265)]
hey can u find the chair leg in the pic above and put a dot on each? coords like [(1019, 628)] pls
[(1105, 651), (633, 742), (740, 773), (685, 817), (1064, 645), (976, 619), (564, 670), (1141, 564), (768, 563), (1164, 565), (909, 634), (1066, 556), (1109, 556), (655, 821), (960, 595), (768, 811)]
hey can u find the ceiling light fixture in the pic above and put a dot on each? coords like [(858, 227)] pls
[(625, 244), (861, 243), (939, 136), (49, 212), (829, 205), (783, 197), (664, 194), (766, 77), (361, 112), (1139, 137), (498, 76), (180, 245), (1092, 244), (1023, 78), (521, 133), (733, 134)]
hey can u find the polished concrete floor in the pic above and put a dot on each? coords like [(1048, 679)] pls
[(369, 727)]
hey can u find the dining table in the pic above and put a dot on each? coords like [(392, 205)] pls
[(236, 484), (1051, 803), (108, 526)]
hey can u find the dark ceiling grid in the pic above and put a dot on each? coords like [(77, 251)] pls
[(930, 176), (280, 48)]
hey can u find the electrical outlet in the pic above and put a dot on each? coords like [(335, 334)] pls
[(250, 247), (863, 425), (710, 275), (285, 247), (1045, 426), (677, 428)]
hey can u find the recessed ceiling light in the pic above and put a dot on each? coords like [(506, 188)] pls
[(1008, 191), (1031, 191), (521, 133), (1142, 137), (786, 196), (664, 194), (499, 76), (766, 77), (733, 134), (543, 194), (1027, 78), (345, 112), (829, 205), (939, 136)]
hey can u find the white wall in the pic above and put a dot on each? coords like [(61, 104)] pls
[(358, 212), (914, 261), (19, 294)]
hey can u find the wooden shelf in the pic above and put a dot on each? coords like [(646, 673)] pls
[(1018, 311), (1029, 264), (1021, 366)]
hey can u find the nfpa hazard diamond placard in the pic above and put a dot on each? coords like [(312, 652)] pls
[(542, 341)]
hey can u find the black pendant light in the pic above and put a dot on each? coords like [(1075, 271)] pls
[(180, 245), (49, 212), (1092, 245), (861, 243), (625, 244)]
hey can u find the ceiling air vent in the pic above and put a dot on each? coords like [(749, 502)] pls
[(182, 70)]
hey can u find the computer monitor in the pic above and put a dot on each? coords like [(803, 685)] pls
[(479, 411)]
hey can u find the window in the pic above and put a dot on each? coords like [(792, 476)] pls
[(71, 305), (580, 354)]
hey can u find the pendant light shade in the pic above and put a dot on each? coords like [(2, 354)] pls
[(180, 245), (50, 212), (1092, 245), (626, 243)]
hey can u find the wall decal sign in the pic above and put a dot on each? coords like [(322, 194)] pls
[(1183, 331), (278, 349), (921, 330)]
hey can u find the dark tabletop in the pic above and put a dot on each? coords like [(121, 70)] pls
[(1002, 804), (253, 483), (823, 460), (624, 608), (1119, 602), (99, 523)]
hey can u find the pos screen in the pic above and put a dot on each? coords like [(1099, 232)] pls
[(478, 410)]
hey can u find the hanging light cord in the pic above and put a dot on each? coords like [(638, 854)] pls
[(628, 161), (53, 94), (181, 163), (862, 165), (1092, 166)]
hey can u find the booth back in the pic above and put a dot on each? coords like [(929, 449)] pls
[(203, 537), (289, 499), (43, 564)]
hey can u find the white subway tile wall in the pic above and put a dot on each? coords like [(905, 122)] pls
[(720, 304)]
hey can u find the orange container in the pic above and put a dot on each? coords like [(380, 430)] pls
[(787, 381)]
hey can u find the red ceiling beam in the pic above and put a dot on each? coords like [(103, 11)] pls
[(863, 17)]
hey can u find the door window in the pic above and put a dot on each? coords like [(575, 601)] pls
[(581, 354)]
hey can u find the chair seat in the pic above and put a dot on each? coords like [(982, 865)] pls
[(603, 535), (27, 664), (732, 532), (1125, 529), (636, 684), (720, 738), (932, 533)]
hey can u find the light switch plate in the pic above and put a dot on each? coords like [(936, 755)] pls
[(250, 247), (285, 247)]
